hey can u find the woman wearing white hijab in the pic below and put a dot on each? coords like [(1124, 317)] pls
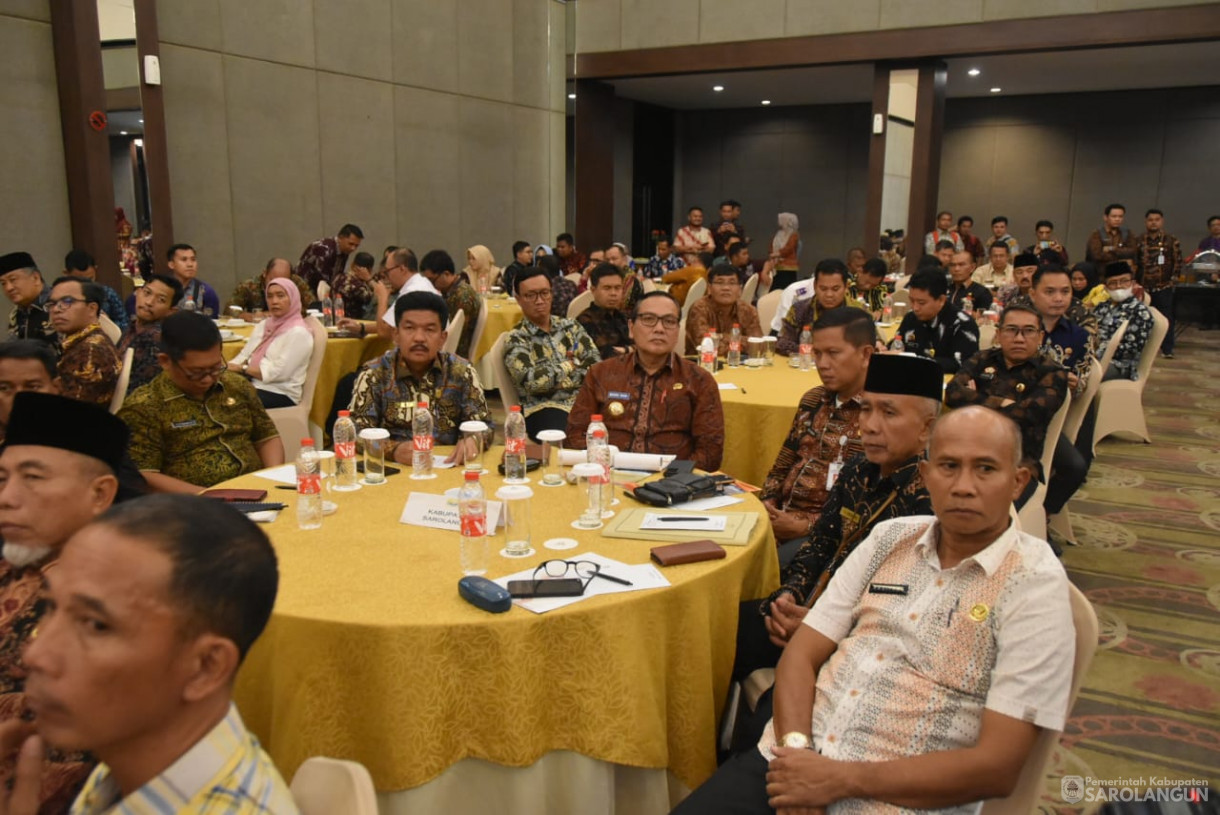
[(784, 248)]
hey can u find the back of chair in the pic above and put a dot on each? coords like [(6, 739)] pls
[(1160, 327), (901, 283), (323, 290), (508, 388), (454, 329), (293, 422), (986, 334), (479, 324), (693, 294), (681, 347), (903, 296), (1076, 413), (120, 387), (1031, 784), (315, 361), (109, 328), (1112, 347), (749, 289), (580, 303), (328, 786), (767, 306), (649, 285), (1053, 430), (574, 277)]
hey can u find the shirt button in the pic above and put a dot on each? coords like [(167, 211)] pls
[(880, 657), (940, 582), (831, 738), (854, 692), (914, 616)]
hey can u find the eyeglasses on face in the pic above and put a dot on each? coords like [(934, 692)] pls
[(64, 303), (650, 320), (1118, 283), (195, 375), (535, 296), (1027, 331)]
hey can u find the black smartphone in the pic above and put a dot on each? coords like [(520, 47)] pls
[(563, 587), (531, 464), (388, 469), (679, 466)]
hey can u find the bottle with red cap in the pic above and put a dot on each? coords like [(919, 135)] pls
[(309, 486), (514, 446), (421, 441), (344, 434), (472, 507)]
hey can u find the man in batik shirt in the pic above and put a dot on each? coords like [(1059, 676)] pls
[(24, 286), (89, 364), (389, 388), (355, 286), (664, 261), (326, 258), (154, 302), (1158, 258), (603, 320), (459, 295)]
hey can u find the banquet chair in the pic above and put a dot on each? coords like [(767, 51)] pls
[(323, 290), (1031, 784), (1033, 516), (749, 289), (109, 327), (120, 387), (649, 285), (1120, 402), (986, 334), (681, 346), (293, 422), (454, 330), (508, 388), (1061, 522), (329, 786), (903, 296), (1112, 347), (580, 303), (693, 294), (574, 277), (480, 323), (768, 304)]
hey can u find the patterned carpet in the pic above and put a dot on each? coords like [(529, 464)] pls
[(1148, 523)]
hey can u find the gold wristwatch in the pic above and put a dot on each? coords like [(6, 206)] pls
[(795, 739)]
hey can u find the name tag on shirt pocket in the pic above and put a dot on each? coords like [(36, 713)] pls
[(621, 395), (888, 588), (189, 423)]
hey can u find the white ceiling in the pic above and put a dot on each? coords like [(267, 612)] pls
[(1153, 66)]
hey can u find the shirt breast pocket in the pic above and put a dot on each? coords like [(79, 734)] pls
[(959, 651), (679, 408), (400, 414)]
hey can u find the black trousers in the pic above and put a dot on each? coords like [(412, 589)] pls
[(739, 787), (754, 647), (546, 419), (1068, 471), (273, 400), (1162, 301)]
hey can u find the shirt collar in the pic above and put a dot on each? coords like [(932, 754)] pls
[(989, 559), (402, 371), (73, 339), (633, 359)]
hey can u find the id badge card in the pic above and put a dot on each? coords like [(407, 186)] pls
[(832, 473)]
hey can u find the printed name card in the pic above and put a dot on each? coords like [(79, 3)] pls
[(436, 512)]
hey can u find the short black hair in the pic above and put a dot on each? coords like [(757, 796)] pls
[(928, 262), (885, 243), (421, 301), (438, 261), (1020, 307), (604, 270), (943, 212), (518, 246), (737, 248), (945, 245), (78, 260), (963, 220), (830, 266), (930, 280), (875, 267), (92, 292), (550, 265), (857, 324), (30, 349), (176, 248), (1213, 218), (706, 259), (1154, 211), (565, 237), (722, 270), (692, 209), (528, 273), (1001, 245), (635, 312), (1050, 268), (224, 574), (1110, 207), (170, 281), (1043, 223), (999, 219), (388, 250), (185, 331), (347, 230), (364, 260)]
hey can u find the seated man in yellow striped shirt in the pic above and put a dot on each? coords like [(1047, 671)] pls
[(152, 608)]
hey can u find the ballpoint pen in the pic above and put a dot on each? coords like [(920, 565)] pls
[(614, 579)]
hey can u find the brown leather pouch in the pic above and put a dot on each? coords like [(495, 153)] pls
[(688, 552), (236, 495)]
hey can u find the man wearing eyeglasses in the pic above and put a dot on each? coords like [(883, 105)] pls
[(197, 423), (88, 365), (1017, 380), (651, 399), (546, 356), (721, 309)]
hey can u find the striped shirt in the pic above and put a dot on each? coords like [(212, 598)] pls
[(225, 773)]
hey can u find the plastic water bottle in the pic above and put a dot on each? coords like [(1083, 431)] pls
[(338, 305), (188, 302), (735, 346), (968, 305), (328, 311), (421, 441), (472, 507), (514, 445), (887, 309), (806, 348), (707, 354), (599, 453), (345, 452), (309, 486), (898, 345)]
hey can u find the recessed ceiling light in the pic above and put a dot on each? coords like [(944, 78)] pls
[(766, 101), (139, 142), (996, 90), (571, 96), (718, 88), (141, 121), (122, 132), (974, 72)]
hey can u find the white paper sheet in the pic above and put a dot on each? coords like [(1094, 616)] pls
[(704, 504), (436, 512), (642, 576), (726, 386), (644, 462), (693, 523), (284, 474)]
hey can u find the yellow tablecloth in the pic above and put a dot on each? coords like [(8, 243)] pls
[(502, 315), (371, 655), (343, 356)]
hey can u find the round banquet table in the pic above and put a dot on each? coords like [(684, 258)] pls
[(343, 356), (503, 314), (371, 655)]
